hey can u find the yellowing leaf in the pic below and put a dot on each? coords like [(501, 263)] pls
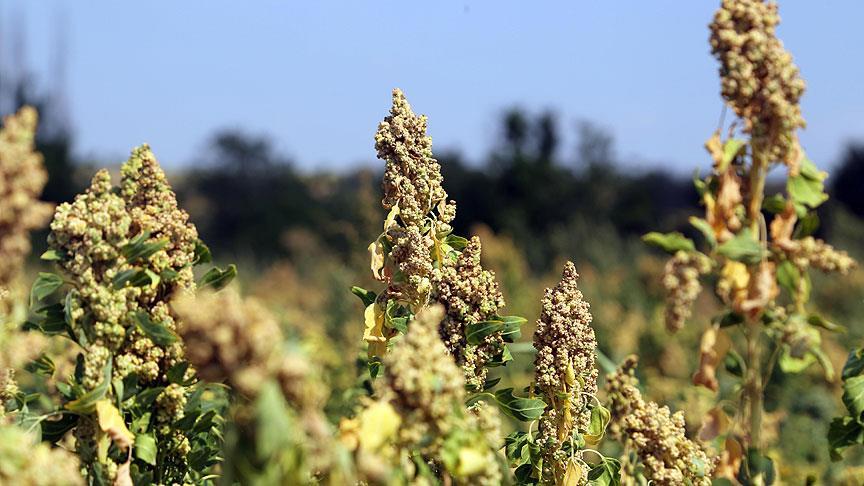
[(713, 347), (471, 462), (374, 331), (574, 474), (124, 478), (376, 254), (378, 425), (111, 422), (715, 423)]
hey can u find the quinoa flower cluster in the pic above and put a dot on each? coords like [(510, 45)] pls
[(126, 251), (564, 368), (655, 433), (759, 79)]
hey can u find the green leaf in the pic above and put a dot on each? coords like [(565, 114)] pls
[(45, 285), (218, 279), (140, 249), (511, 330), (522, 409), (774, 204), (743, 248), (704, 228), (275, 424), (86, 403), (475, 333), (806, 190), (819, 321), (853, 396), (731, 149), (854, 364), (600, 418), (157, 332), (788, 276), (842, 433), (202, 253), (794, 364), (177, 373), (458, 243), (669, 242), (367, 296), (758, 465), (608, 473), (145, 448), (52, 256), (54, 430), (43, 365), (734, 363), (806, 226)]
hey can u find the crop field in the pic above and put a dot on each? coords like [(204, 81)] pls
[(432, 322)]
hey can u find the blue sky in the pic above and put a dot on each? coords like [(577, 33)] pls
[(316, 75)]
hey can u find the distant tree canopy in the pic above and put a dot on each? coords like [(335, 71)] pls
[(848, 180)]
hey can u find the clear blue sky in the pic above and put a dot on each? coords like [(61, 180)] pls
[(316, 75)]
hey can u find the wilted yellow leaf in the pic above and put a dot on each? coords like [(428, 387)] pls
[(124, 478), (713, 347), (376, 255), (374, 331), (715, 423), (573, 476), (471, 462), (111, 422), (378, 425)]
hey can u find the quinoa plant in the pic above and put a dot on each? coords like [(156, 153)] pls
[(758, 248), (23, 459), (421, 262), (134, 406)]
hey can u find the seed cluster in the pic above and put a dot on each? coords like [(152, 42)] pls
[(22, 178), (92, 236), (420, 267), (469, 294), (412, 177), (427, 391), (655, 433), (26, 463), (681, 283), (759, 80), (564, 367)]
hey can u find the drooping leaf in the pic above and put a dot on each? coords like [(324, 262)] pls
[(788, 276), (139, 249), (217, 278), (54, 430), (476, 332), (743, 248), (511, 330), (45, 285), (145, 448), (112, 423), (522, 409), (806, 225), (853, 396), (854, 364), (157, 332), (600, 418), (86, 403), (806, 190), (669, 242), (842, 433), (202, 253), (367, 296), (705, 228), (52, 256)]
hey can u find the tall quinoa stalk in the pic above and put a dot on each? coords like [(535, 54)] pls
[(757, 246), (133, 403), (421, 262)]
